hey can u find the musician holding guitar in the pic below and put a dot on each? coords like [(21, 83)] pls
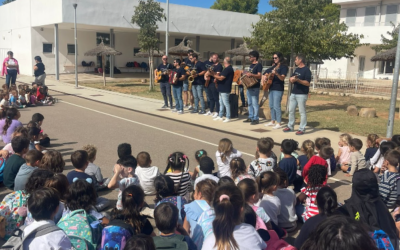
[(164, 85), (300, 80), (212, 87), (178, 85), (276, 76), (225, 80), (198, 84)]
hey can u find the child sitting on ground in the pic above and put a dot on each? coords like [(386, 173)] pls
[(20, 145), (289, 163), (321, 142), (357, 160), (224, 155), (239, 170), (207, 168), (53, 161), (124, 176), (33, 158), (387, 186), (177, 162), (372, 146), (146, 173), (14, 101), (344, 150), (93, 170), (80, 161), (5, 103), (264, 162), (308, 150), (269, 182), (20, 131), (198, 155), (321, 159), (34, 144), (38, 119), (124, 150), (287, 217), (166, 218)]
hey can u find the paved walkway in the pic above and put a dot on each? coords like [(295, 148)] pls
[(152, 107)]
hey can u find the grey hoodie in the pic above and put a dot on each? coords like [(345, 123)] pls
[(22, 177)]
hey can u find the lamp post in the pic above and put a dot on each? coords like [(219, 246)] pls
[(76, 47), (167, 30)]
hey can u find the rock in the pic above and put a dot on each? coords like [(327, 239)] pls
[(352, 110), (265, 113), (320, 92), (368, 112), (144, 80), (341, 94), (324, 93)]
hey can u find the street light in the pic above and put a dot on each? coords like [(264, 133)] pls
[(76, 47)]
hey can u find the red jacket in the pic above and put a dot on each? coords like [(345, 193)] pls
[(315, 160)]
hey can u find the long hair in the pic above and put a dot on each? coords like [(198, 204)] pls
[(225, 148), (238, 167), (60, 183), (383, 148), (308, 147), (10, 115), (207, 188), (81, 195), (372, 138), (326, 201), (177, 161), (228, 204), (248, 187), (282, 60), (316, 176), (164, 186)]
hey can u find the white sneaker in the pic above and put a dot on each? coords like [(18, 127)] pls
[(180, 112), (277, 126), (174, 110), (227, 120), (208, 113), (215, 115), (218, 119), (270, 124)]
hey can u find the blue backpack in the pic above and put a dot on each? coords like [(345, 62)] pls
[(2, 165), (382, 240), (115, 235)]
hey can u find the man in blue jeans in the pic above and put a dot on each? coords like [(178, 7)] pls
[(253, 92), (224, 88), (300, 79), (165, 87), (177, 86), (198, 84)]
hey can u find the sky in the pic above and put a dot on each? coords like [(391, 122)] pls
[(263, 6)]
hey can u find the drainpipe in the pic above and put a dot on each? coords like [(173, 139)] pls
[(380, 13)]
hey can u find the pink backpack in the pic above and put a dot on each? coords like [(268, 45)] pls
[(275, 243)]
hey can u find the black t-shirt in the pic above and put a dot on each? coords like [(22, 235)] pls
[(179, 73), (255, 69), (40, 70), (208, 64), (217, 68), (303, 74), (225, 86), (308, 227), (276, 83), (199, 67), (187, 62), (163, 68)]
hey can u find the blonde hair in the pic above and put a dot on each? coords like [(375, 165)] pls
[(91, 150), (225, 148), (308, 147), (372, 138), (346, 138)]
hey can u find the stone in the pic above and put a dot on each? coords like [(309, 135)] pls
[(324, 93), (368, 112), (341, 94), (265, 113), (144, 80), (320, 92), (352, 110)]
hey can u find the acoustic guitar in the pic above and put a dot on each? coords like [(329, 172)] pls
[(237, 75), (268, 81), (158, 76)]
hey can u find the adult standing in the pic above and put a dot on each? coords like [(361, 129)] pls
[(198, 84), (253, 92), (280, 70), (164, 84), (300, 79), (187, 95), (214, 94), (10, 69), (224, 88), (39, 69), (177, 87), (9, 124), (208, 65)]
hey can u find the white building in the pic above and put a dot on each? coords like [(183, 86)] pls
[(29, 28), (371, 18)]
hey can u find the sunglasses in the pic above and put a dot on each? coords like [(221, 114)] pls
[(276, 57)]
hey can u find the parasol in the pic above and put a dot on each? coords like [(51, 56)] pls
[(240, 53), (388, 55), (181, 49)]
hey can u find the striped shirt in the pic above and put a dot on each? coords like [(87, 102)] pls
[(311, 207), (388, 188), (181, 185)]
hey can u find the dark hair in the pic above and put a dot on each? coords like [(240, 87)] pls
[(255, 54), (326, 152), (264, 145), (207, 188), (396, 139), (282, 60), (356, 143), (178, 61), (166, 216), (37, 117), (248, 187), (31, 124), (228, 214), (60, 183), (38, 58), (140, 242), (316, 175), (340, 232), (289, 146), (190, 51), (194, 55), (301, 57), (128, 162), (326, 201), (37, 180), (207, 165), (320, 142), (164, 186), (33, 156), (238, 167), (33, 131), (21, 130), (124, 149), (282, 176), (19, 143), (250, 217), (383, 148), (177, 161), (143, 159), (79, 159), (266, 180), (10, 53), (81, 195), (225, 180), (53, 161), (10, 115), (200, 154), (42, 203), (132, 201), (393, 157)]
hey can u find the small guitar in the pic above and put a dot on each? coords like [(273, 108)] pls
[(268, 81), (158, 76)]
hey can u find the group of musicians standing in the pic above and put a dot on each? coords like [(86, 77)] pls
[(216, 81)]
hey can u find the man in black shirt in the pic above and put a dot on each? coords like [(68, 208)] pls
[(198, 84), (212, 87), (208, 65), (177, 87), (253, 93), (224, 88), (164, 85), (187, 95), (300, 79)]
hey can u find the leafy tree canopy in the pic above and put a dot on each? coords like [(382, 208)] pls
[(242, 6), (390, 42)]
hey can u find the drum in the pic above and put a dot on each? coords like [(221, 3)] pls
[(248, 81)]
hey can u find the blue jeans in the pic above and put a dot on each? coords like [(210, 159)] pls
[(177, 91), (224, 104), (241, 91), (275, 99), (253, 95), (11, 76), (197, 91), (300, 100), (208, 94), (214, 98)]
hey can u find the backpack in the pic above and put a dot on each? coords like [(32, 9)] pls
[(116, 234), (16, 240), (83, 230), (2, 165), (171, 242), (9, 208), (382, 240), (274, 243)]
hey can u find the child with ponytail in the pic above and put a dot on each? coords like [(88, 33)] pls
[(198, 155), (308, 149), (178, 163), (239, 170), (229, 231), (224, 155), (9, 124)]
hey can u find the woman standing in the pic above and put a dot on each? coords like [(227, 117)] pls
[(276, 90), (10, 68), (39, 68)]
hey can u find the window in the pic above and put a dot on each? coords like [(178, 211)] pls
[(370, 14), (386, 67), (104, 36), (178, 41), (351, 17), (135, 51), (47, 48), (71, 49), (391, 14)]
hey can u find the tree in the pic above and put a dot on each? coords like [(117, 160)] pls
[(243, 6), (147, 14), (7, 1), (388, 43)]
